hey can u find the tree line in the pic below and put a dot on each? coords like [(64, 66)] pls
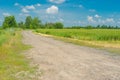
[(30, 23), (35, 23), (94, 27)]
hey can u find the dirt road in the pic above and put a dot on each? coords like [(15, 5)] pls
[(64, 61)]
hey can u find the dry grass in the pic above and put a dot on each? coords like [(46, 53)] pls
[(11, 60)]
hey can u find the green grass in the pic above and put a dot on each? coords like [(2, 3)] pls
[(85, 34), (12, 61), (108, 39)]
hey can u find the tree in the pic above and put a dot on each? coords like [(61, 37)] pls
[(58, 25), (116, 27), (9, 22), (98, 26), (28, 21), (49, 25), (36, 23), (21, 25), (104, 26), (89, 27)]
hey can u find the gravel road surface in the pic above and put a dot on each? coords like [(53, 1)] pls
[(65, 61)]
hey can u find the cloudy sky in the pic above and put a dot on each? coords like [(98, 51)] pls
[(70, 12)]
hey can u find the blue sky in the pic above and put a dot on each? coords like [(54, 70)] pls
[(69, 12)]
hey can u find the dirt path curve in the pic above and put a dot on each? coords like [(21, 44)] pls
[(64, 61)]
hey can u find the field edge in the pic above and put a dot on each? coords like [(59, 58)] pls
[(113, 51)]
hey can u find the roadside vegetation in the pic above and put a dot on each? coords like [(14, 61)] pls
[(85, 34), (13, 64)]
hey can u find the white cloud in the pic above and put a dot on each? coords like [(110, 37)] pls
[(24, 10), (57, 1), (97, 16), (61, 20), (110, 20), (81, 22), (118, 22), (80, 6), (27, 8), (1, 20), (101, 21), (16, 4), (90, 19), (23, 14), (52, 10), (38, 4), (31, 7), (92, 10), (106, 21), (6, 14)]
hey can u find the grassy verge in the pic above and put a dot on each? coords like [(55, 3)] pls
[(98, 38), (13, 65)]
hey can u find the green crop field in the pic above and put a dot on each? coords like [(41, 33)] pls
[(85, 34)]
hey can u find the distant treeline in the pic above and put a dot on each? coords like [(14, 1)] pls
[(30, 23), (94, 27), (35, 23)]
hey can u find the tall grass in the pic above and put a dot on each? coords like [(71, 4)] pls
[(11, 61), (85, 34)]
